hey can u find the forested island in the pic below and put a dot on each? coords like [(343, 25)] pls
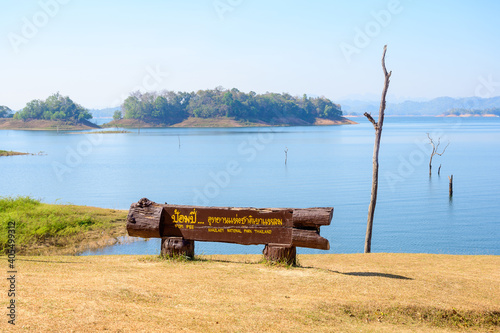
[(169, 108), (217, 107), (221, 107), (11, 153), (56, 112), (55, 107)]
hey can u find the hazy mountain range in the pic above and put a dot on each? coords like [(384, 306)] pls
[(104, 113), (436, 106)]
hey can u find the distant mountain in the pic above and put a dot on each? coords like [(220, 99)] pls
[(436, 106), (358, 107), (104, 113)]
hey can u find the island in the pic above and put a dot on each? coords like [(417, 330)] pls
[(460, 112), (11, 153), (57, 112), (217, 107), (221, 107)]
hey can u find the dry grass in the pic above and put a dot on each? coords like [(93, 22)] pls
[(342, 121), (329, 293)]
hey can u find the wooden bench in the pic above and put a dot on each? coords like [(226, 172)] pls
[(281, 230)]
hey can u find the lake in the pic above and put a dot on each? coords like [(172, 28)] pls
[(326, 166)]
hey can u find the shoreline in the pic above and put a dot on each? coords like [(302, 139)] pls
[(48, 125), (222, 122), (68, 229), (43, 125), (107, 225)]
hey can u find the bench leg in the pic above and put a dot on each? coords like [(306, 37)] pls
[(281, 253), (177, 246)]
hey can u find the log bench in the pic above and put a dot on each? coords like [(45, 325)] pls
[(281, 230)]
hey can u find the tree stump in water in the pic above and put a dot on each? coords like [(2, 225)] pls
[(280, 253), (177, 246), (451, 185)]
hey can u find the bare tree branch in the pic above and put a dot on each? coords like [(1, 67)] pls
[(370, 118), (384, 92), (435, 148), (383, 66), (443, 150)]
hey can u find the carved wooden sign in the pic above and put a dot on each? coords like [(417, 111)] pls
[(286, 227), (231, 225)]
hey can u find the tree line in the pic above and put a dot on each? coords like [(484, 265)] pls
[(5, 112), (479, 112), (169, 107), (55, 107)]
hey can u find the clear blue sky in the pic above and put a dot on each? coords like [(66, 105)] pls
[(99, 51)]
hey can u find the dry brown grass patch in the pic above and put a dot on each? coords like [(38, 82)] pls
[(329, 293)]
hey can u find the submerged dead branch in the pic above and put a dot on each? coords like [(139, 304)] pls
[(435, 148)]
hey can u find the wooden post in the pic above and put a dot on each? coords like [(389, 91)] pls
[(451, 185), (279, 253), (177, 246), (439, 170)]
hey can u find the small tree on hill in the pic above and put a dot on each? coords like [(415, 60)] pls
[(117, 115), (4, 111)]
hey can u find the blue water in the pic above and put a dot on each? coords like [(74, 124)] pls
[(326, 166)]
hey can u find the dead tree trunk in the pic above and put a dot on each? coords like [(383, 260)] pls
[(378, 134)]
